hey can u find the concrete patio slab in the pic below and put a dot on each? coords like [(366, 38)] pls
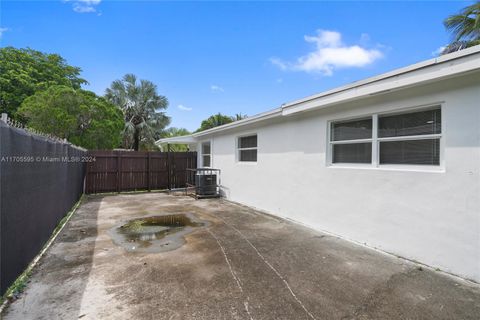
[(243, 265)]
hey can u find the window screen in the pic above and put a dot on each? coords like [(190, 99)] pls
[(409, 138), (248, 155), (206, 161), (422, 152), (248, 142), (410, 124), (206, 154), (206, 148), (355, 152), (352, 153), (352, 130), (399, 148), (247, 148)]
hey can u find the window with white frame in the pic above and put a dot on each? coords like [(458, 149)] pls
[(206, 154), (352, 141), (247, 148), (406, 138)]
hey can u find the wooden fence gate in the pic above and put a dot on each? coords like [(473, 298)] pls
[(117, 171)]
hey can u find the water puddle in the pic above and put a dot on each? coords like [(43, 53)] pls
[(155, 233)]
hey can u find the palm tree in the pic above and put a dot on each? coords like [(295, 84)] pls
[(215, 121), (176, 132), (465, 28), (239, 116), (140, 104)]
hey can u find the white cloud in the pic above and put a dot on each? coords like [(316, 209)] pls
[(183, 108), (330, 53), (2, 31), (84, 6), (216, 88), (438, 51)]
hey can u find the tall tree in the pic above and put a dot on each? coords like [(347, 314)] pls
[(239, 116), (215, 121), (176, 132), (465, 28), (141, 106), (25, 71), (79, 116)]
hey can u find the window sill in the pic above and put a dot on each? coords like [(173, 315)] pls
[(247, 163), (404, 168)]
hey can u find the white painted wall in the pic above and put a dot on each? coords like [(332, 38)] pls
[(431, 217)]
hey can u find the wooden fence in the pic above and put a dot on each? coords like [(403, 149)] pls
[(117, 171)]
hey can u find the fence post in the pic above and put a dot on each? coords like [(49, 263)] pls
[(168, 168), (4, 117), (119, 171), (148, 170), (86, 187)]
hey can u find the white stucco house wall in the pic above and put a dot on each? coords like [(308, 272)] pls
[(391, 162)]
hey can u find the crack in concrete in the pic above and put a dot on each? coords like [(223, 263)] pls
[(234, 275), (272, 268)]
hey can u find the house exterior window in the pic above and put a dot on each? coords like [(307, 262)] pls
[(410, 138), (206, 154), (407, 138), (247, 148), (352, 141)]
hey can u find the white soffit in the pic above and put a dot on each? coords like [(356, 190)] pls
[(177, 140)]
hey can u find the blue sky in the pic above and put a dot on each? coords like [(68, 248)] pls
[(229, 57)]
